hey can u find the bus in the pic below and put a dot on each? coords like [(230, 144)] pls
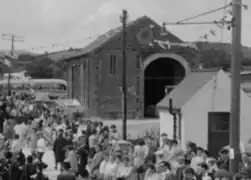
[(56, 88)]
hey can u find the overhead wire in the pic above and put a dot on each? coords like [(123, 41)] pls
[(205, 13), (180, 22)]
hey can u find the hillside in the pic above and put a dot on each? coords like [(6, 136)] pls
[(204, 46)]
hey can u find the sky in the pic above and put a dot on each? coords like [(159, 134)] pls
[(53, 25)]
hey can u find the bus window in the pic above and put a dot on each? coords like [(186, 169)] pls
[(59, 87), (62, 87), (54, 87), (47, 87)]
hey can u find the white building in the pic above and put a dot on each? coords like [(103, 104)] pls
[(201, 103)]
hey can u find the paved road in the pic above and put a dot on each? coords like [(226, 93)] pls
[(49, 160)]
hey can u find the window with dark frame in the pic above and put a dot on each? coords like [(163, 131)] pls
[(113, 64)]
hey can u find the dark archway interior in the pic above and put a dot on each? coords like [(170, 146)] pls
[(159, 74)]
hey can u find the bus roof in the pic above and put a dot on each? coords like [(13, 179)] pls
[(5, 81), (48, 81), (16, 81)]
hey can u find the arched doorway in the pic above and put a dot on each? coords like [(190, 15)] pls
[(162, 72)]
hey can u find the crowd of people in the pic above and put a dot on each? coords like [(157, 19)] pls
[(84, 149)]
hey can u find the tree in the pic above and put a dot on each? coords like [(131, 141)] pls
[(215, 58), (219, 58), (45, 68)]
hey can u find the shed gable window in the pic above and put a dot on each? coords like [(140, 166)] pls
[(113, 64)]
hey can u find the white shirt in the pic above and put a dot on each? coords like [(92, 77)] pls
[(110, 169), (41, 145), (20, 130), (92, 141), (102, 167), (140, 154)]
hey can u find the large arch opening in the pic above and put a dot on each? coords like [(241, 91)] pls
[(161, 76)]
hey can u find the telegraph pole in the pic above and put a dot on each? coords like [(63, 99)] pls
[(124, 19), (12, 38), (235, 84)]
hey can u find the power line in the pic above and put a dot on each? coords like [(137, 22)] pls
[(196, 23), (203, 14)]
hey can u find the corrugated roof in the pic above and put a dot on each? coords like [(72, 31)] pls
[(187, 88)]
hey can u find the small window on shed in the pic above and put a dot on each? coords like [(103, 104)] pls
[(113, 64)]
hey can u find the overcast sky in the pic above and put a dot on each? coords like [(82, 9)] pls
[(57, 24)]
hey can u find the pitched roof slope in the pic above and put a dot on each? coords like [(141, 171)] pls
[(108, 36), (187, 88)]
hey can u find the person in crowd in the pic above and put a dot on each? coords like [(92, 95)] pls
[(197, 159), (97, 159), (151, 173), (114, 134), (99, 127), (211, 162), (244, 169), (40, 175), (189, 174), (140, 153), (111, 167), (203, 173), (160, 155), (41, 143), (66, 174), (16, 145), (28, 170), (72, 159), (59, 149), (223, 162), (164, 171), (8, 130), (92, 142), (150, 149), (180, 168), (125, 169), (163, 138), (103, 164), (190, 152), (82, 153), (91, 151)]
